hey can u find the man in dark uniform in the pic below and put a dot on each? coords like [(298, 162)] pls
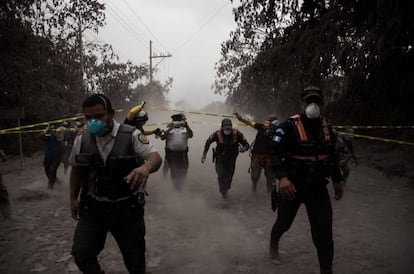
[(54, 145), (260, 158), (229, 142), (111, 163), (303, 158)]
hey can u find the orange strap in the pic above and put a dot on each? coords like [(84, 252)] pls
[(325, 129), (300, 128), (220, 136), (302, 132)]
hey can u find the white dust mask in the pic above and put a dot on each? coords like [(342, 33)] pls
[(227, 131), (312, 111)]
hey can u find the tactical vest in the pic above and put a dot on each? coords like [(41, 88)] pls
[(311, 148), (220, 136), (227, 148), (310, 158), (98, 179)]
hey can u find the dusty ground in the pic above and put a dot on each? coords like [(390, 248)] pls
[(192, 232)]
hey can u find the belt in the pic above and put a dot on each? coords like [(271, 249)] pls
[(309, 158), (135, 200)]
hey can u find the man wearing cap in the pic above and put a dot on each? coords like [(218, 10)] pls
[(54, 145), (230, 142), (260, 158), (176, 149), (303, 158)]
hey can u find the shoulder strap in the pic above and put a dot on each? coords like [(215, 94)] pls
[(123, 144), (325, 129), (299, 127), (88, 143), (235, 131), (220, 136)]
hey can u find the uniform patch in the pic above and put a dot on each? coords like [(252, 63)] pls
[(143, 139), (277, 139)]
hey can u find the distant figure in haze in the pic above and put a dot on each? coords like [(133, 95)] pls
[(4, 195), (176, 149), (345, 152), (53, 152), (230, 142), (260, 158)]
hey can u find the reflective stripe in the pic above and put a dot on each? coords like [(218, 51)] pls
[(300, 128), (309, 158), (326, 130), (302, 132)]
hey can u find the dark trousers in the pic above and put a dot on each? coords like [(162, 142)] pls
[(177, 162), (319, 210), (259, 162), (225, 167), (4, 200), (125, 223), (51, 165)]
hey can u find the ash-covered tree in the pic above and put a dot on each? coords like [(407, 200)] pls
[(359, 51)]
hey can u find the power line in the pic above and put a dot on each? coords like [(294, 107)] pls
[(142, 22), (100, 40), (126, 26), (205, 24)]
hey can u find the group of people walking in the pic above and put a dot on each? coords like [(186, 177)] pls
[(112, 162)]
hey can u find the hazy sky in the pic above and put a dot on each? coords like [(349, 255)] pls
[(176, 26)]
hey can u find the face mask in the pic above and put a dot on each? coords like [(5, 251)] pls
[(227, 131), (312, 111), (178, 124), (96, 127)]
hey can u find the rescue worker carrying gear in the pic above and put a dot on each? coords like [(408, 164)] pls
[(303, 158), (107, 185), (230, 142), (260, 158), (176, 149), (137, 117)]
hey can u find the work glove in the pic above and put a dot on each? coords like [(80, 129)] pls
[(134, 111), (157, 131)]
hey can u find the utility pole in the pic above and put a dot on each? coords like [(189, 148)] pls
[(80, 49), (163, 56)]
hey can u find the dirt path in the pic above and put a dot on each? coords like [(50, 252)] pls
[(192, 232)]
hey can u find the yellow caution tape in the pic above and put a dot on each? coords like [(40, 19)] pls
[(42, 124), (356, 127), (377, 138), (193, 122), (41, 130), (194, 112)]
